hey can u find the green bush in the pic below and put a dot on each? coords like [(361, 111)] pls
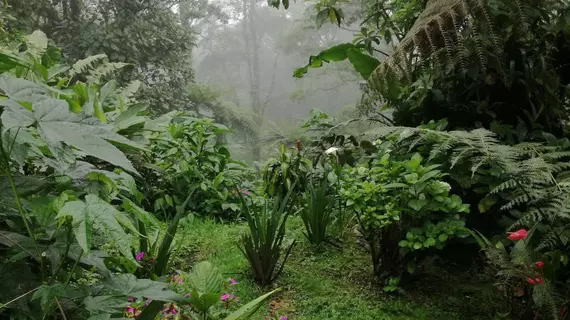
[(402, 207), (262, 245), (188, 156), (63, 156)]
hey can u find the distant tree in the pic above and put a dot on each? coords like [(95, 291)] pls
[(147, 34)]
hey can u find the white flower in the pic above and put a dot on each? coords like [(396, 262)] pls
[(331, 150)]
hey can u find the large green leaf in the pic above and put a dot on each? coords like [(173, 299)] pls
[(102, 316), (9, 61), (109, 304), (95, 212), (148, 219), (205, 278), (82, 222), (21, 90), (322, 16), (130, 118), (129, 286), (363, 63), (37, 44), (205, 301), (247, 311), (47, 294), (56, 125)]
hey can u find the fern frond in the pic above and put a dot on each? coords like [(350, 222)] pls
[(546, 298), (104, 70), (83, 65), (536, 184), (447, 31), (129, 90)]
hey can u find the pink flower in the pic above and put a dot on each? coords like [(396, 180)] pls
[(177, 278), (187, 295), (232, 281), (225, 296), (539, 264), (131, 299), (170, 309), (244, 192), (530, 280), (517, 235), (283, 318), (131, 312), (140, 255)]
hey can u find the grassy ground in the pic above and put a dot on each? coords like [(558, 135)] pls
[(332, 284)]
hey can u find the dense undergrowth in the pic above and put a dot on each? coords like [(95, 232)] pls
[(455, 207), (335, 283)]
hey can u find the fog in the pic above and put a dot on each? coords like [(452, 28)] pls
[(250, 58)]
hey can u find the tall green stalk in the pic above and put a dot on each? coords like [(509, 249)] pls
[(6, 164)]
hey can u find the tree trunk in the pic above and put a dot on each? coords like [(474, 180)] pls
[(252, 61)]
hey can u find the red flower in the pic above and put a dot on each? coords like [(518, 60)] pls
[(517, 235), (539, 264), (536, 280)]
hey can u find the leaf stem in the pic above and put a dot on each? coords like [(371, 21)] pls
[(73, 269), (17, 298), (60, 309), (6, 160)]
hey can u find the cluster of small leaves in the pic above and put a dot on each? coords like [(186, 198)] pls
[(433, 234), (391, 194), (189, 156)]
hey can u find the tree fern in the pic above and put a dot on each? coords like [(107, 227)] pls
[(445, 32)]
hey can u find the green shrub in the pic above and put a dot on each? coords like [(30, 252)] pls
[(317, 213), (187, 155), (286, 173), (262, 245), (402, 207), (63, 164)]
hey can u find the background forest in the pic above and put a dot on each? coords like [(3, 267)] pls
[(237, 159)]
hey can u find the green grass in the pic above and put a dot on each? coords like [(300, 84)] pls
[(332, 283)]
